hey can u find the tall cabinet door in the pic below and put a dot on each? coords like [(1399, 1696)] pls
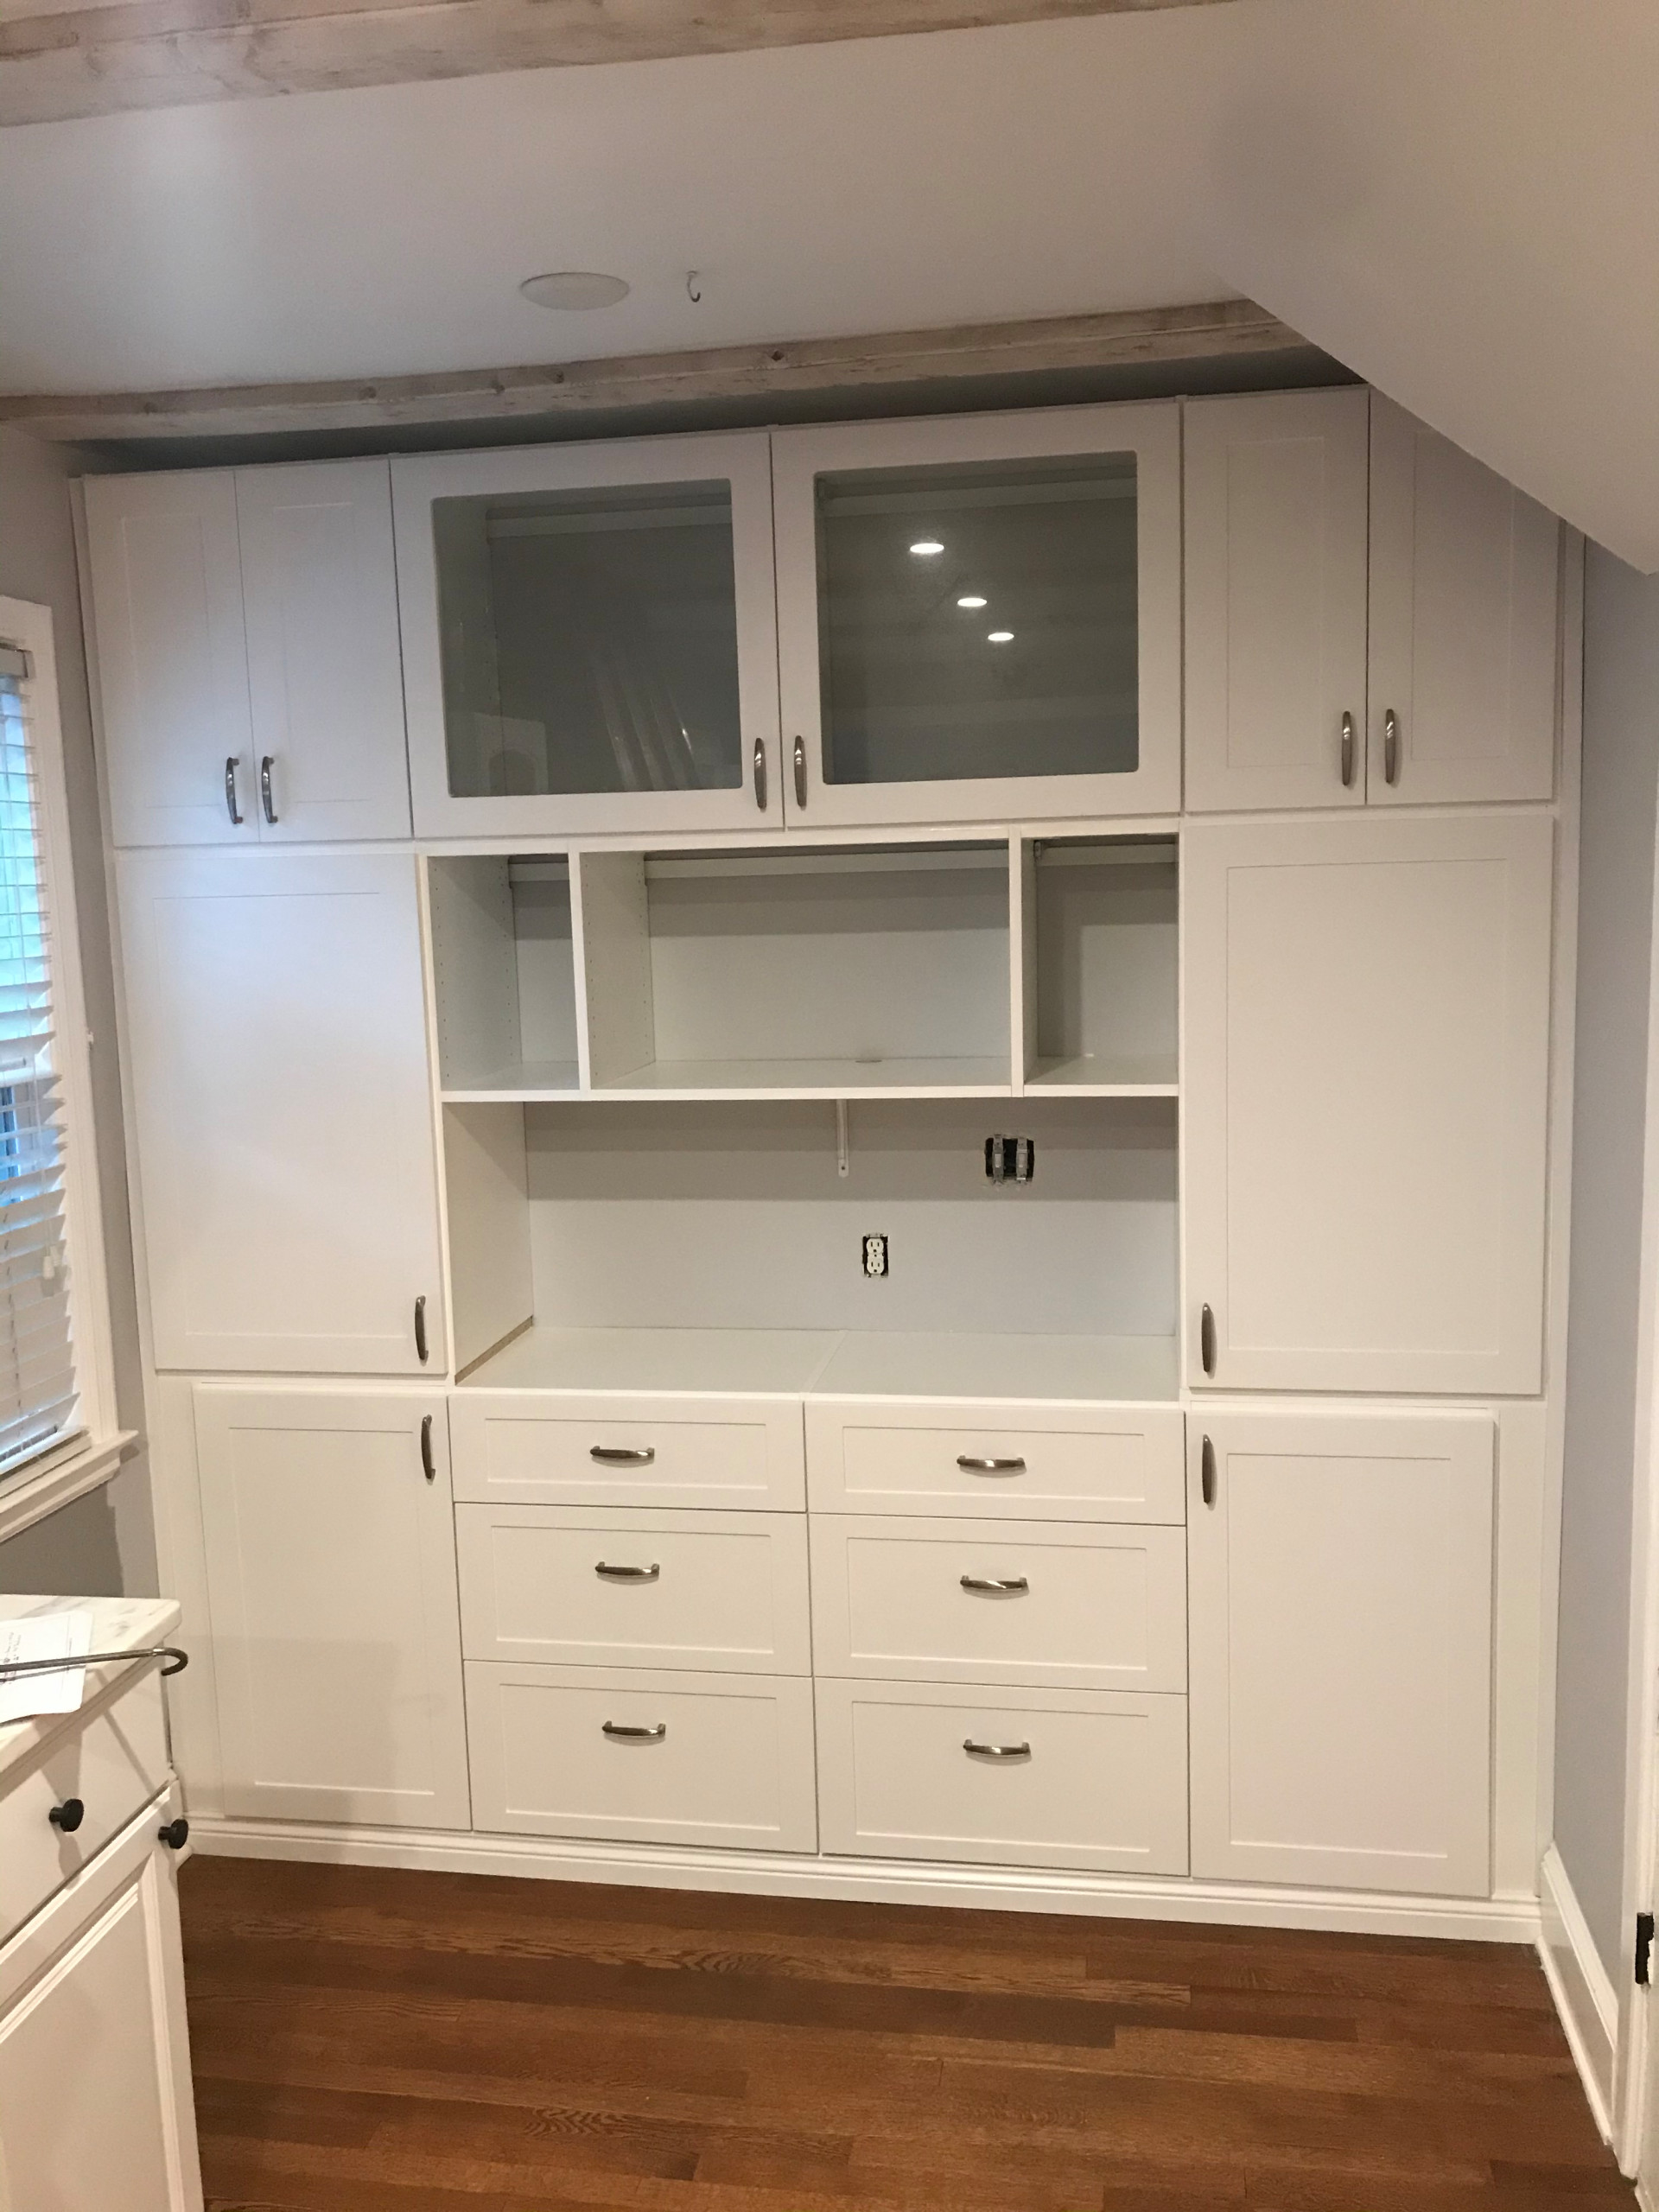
[(1275, 497), (283, 1123), (324, 666), (172, 657), (1340, 1577), (1366, 1018), (329, 1534), (1464, 577)]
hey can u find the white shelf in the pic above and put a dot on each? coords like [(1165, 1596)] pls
[(828, 1079), (787, 1361), (523, 1079), (1107, 1075)]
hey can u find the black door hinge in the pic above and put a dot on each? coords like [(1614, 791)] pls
[(1644, 1948)]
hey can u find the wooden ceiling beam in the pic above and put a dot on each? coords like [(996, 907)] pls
[(59, 59)]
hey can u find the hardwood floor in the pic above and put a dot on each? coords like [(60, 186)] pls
[(375, 2042)]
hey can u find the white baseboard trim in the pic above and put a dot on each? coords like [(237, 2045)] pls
[(1582, 1986), (1023, 1889), (1644, 2196)]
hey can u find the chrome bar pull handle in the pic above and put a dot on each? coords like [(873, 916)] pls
[(978, 1750), (1207, 1339), (420, 1328), (628, 1574), (760, 775), (622, 1455), (623, 1731), (799, 756), (1391, 747), (264, 789), (1207, 1471), (971, 1464), (1348, 753), (429, 1465), (996, 1585), (231, 806)]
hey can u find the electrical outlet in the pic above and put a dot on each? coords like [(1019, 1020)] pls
[(876, 1255), (1010, 1159)]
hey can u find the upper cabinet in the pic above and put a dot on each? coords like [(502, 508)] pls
[(247, 639), (589, 638), (979, 618), (1371, 616)]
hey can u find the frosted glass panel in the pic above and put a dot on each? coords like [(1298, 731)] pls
[(589, 640), (979, 621)]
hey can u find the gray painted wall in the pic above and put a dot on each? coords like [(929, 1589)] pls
[(103, 1544), (1621, 803)]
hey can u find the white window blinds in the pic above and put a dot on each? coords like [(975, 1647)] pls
[(38, 1402)]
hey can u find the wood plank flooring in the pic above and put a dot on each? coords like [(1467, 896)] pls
[(377, 2042)]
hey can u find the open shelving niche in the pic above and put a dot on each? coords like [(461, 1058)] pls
[(677, 1090)]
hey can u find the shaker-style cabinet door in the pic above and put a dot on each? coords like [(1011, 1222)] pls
[(1340, 1574), (1464, 619), (330, 1543), (1275, 499), (172, 657), (324, 670), (1365, 1085), (283, 1116)]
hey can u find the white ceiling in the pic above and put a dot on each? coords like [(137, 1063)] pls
[(1460, 198)]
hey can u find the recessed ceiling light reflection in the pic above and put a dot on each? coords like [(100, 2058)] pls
[(971, 599), (925, 547), (999, 636)]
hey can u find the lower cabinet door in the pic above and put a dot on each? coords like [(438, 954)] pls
[(331, 1572), (96, 2112), (1340, 1591), (644, 1757), (1015, 1777)]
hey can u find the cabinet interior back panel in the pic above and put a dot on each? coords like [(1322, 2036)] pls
[(1106, 959), (735, 1217), (503, 968)]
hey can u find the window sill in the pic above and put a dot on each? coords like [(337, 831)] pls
[(30, 1496)]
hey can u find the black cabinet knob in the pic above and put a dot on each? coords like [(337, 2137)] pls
[(175, 1833), (67, 1816)]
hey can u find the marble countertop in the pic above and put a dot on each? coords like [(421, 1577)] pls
[(119, 1624)]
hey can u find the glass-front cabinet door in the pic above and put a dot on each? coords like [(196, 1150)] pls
[(589, 638), (979, 617)]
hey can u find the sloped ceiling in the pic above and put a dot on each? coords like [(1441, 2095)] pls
[(1458, 198)]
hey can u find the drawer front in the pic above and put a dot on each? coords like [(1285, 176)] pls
[(994, 1462), (714, 1758), (513, 1447), (1028, 1602), (114, 1762), (580, 1586), (1092, 1780)]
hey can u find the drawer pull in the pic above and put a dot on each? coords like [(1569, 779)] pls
[(628, 1574), (174, 1834), (971, 1466), (1013, 1585), (624, 1731), (975, 1750), (622, 1455), (68, 1816)]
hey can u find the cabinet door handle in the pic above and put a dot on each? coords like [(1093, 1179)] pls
[(972, 1466), (628, 1574), (622, 1455), (1207, 1471), (1391, 747), (68, 1816), (1012, 1585), (231, 807), (1347, 751), (174, 1834), (265, 788), (1207, 1340), (800, 773), (760, 775), (420, 1328), (624, 1731), (978, 1750), (429, 1466)]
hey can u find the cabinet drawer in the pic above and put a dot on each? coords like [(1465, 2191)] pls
[(519, 1447), (114, 1762), (582, 1585), (1021, 1462), (718, 1758), (1094, 1779), (1081, 1608)]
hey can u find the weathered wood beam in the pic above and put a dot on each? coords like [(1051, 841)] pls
[(69, 59), (1228, 329)]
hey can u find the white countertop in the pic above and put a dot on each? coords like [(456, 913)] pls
[(119, 1624)]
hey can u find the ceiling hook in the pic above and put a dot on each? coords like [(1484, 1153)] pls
[(694, 285)]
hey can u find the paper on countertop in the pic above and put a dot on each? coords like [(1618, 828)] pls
[(43, 1635)]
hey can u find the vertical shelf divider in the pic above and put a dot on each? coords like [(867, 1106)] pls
[(1022, 958), (610, 922)]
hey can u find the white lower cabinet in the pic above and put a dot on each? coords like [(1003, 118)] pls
[(1341, 1595), (331, 1568), (1020, 1777), (643, 1756)]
